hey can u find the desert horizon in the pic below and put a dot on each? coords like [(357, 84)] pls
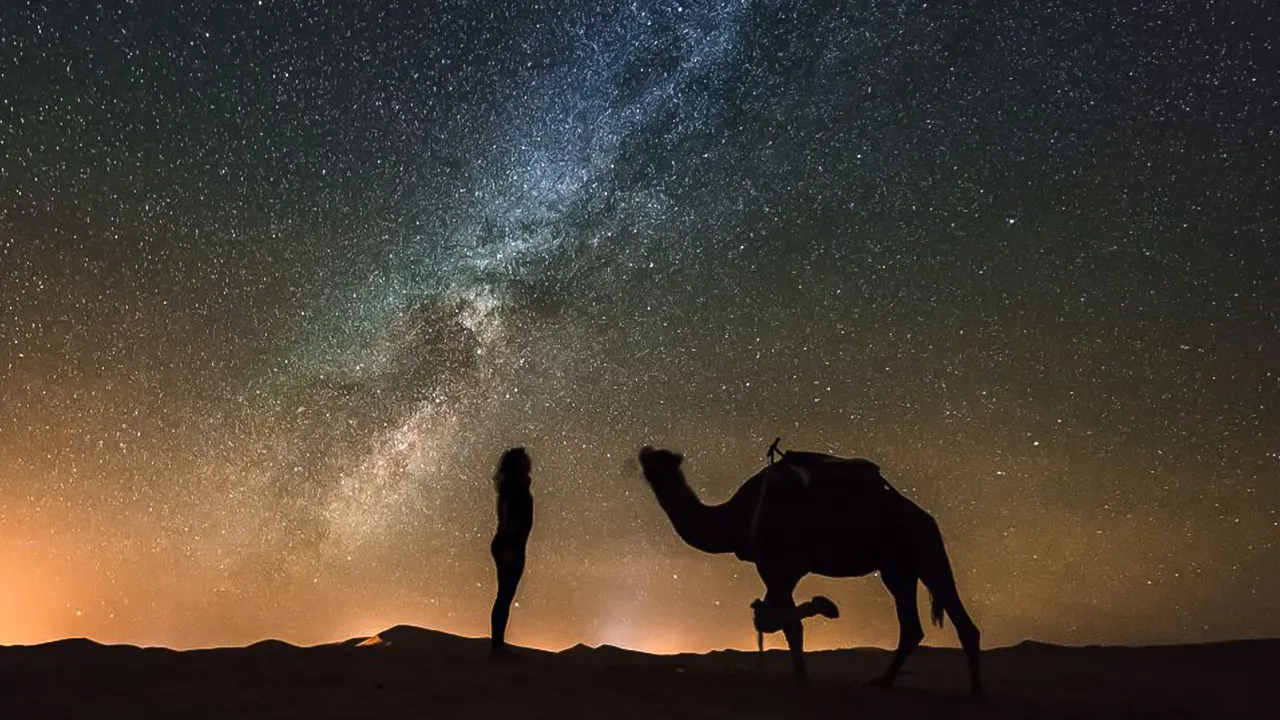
[(773, 644)]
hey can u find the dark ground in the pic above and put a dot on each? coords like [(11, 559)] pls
[(417, 673)]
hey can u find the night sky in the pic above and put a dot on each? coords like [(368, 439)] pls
[(279, 281)]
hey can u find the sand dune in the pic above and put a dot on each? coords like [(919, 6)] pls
[(411, 672)]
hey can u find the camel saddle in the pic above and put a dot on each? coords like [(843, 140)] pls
[(798, 464), (803, 458)]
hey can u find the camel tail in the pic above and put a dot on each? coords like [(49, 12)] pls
[(935, 610), (939, 580)]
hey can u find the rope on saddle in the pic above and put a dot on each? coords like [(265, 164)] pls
[(756, 606)]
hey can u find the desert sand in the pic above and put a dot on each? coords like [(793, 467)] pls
[(408, 672)]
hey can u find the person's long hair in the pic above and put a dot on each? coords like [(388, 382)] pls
[(514, 465)]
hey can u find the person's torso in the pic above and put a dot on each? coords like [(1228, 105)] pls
[(516, 523)]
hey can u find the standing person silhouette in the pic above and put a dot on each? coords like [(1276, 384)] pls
[(515, 520)]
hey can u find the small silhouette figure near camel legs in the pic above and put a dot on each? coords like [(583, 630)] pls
[(766, 622), (831, 516)]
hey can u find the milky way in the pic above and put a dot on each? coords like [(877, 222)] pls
[(280, 281)]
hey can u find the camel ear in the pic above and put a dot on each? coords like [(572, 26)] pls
[(679, 459)]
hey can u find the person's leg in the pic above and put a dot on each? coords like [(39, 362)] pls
[(510, 568)]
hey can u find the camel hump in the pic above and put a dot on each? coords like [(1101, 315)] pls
[(807, 459)]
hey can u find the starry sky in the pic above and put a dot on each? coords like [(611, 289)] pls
[(280, 280)]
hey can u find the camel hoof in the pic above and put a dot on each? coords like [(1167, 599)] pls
[(503, 653)]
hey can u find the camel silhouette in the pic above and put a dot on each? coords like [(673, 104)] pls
[(826, 515)]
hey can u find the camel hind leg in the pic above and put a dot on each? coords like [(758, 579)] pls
[(903, 588), (946, 598)]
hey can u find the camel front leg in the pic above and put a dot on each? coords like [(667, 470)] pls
[(779, 612), (794, 631), (768, 619)]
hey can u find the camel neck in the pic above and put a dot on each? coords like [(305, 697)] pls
[(708, 528)]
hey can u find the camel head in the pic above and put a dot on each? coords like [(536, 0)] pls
[(661, 467), (705, 528)]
